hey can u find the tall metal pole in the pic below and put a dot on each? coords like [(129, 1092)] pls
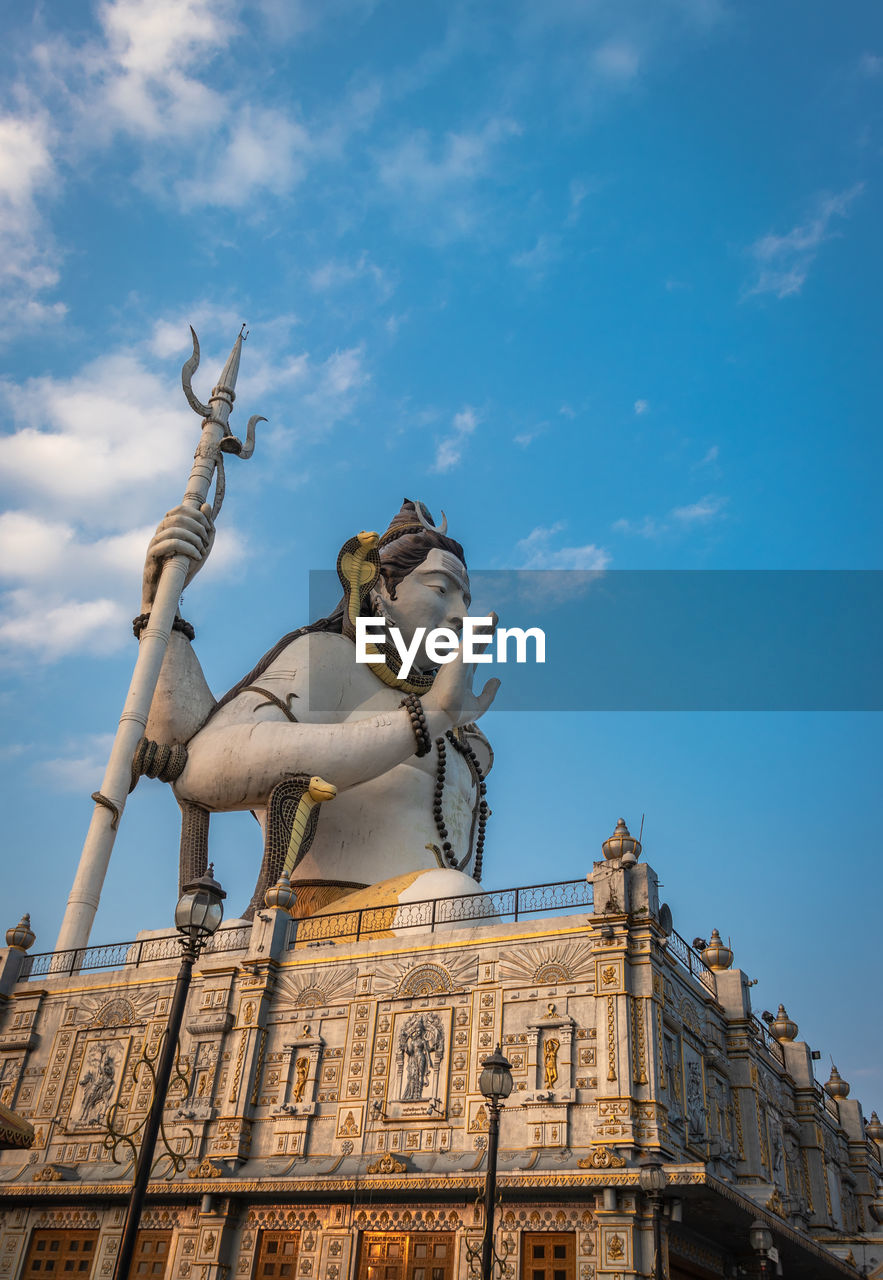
[(154, 1118), (111, 799), (490, 1189)]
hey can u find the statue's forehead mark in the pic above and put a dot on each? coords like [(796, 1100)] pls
[(448, 565)]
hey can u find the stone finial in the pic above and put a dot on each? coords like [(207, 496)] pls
[(784, 1028), (874, 1129), (281, 896), (836, 1086), (22, 936), (622, 846), (715, 954)]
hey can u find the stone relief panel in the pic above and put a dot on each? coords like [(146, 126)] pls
[(420, 1043), (696, 1107), (316, 987), (98, 1082), (544, 965)]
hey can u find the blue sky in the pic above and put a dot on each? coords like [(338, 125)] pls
[(602, 280)]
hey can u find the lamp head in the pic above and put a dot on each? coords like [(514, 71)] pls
[(760, 1236), (652, 1177), (495, 1081), (200, 908)]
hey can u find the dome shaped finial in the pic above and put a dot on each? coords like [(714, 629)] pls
[(622, 846), (836, 1087), (783, 1028), (715, 954), (22, 936)]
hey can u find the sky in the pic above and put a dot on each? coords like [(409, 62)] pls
[(599, 278)]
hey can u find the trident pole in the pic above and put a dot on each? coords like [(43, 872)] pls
[(110, 801)]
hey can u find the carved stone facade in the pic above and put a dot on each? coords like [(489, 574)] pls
[(327, 1104)]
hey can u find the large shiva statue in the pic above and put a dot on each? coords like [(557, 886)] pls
[(404, 757)]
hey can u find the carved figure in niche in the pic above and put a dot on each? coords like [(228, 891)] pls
[(550, 1062), (301, 1071), (202, 1087), (308, 708), (97, 1084), (421, 1047), (695, 1099), (615, 1247), (673, 1073)]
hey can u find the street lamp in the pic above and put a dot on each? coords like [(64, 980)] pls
[(761, 1239), (495, 1083), (197, 916), (653, 1183)]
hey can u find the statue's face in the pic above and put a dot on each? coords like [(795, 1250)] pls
[(435, 594)]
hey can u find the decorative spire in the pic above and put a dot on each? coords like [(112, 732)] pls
[(874, 1129), (22, 936), (716, 955), (622, 846), (783, 1028), (836, 1086)]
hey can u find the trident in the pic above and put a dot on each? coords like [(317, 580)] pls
[(215, 440)]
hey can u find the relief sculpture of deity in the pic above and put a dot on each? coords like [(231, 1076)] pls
[(550, 1062), (409, 809), (421, 1047)]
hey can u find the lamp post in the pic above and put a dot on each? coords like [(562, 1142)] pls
[(495, 1083), (197, 916), (653, 1182), (761, 1240)]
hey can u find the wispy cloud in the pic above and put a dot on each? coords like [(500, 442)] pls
[(537, 551), (678, 520), (641, 407), (444, 173), (783, 261), (617, 60), (81, 764), (537, 261), (337, 274), (449, 450), (28, 255)]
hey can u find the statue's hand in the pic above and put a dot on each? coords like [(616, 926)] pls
[(451, 702), (183, 531)]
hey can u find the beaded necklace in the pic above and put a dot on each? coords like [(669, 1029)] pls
[(471, 759)]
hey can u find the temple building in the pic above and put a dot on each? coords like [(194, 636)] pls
[(325, 1120)]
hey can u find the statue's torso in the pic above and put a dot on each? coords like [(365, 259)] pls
[(375, 829)]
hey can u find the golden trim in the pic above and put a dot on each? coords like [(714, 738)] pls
[(611, 1038)]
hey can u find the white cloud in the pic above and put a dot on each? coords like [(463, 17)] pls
[(525, 438), (617, 60), (783, 261), (85, 481), (421, 171), (700, 512), (336, 274), (870, 64), (151, 50), (261, 150), (81, 766), (449, 450), (537, 552), (641, 406), (679, 519), (28, 255), (537, 261)]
